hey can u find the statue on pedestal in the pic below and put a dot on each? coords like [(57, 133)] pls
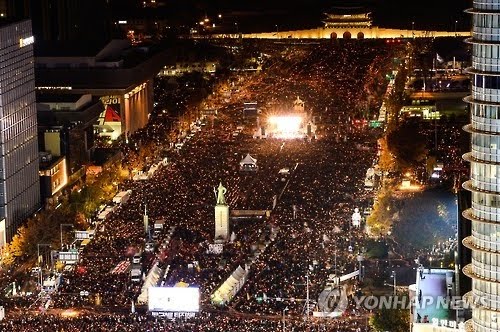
[(219, 194), (221, 215)]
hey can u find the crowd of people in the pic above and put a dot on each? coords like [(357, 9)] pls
[(311, 207), (206, 322)]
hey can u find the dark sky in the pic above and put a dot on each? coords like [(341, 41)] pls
[(263, 14), (391, 13)]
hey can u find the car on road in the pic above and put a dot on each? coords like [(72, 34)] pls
[(150, 247)]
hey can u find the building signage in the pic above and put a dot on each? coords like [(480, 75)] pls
[(174, 315), (448, 323), (26, 41), (68, 256), (84, 235)]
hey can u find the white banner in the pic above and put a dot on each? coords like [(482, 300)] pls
[(215, 248), (349, 276)]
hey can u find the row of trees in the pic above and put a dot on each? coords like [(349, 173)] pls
[(79, 205), (402, 149), (75, 208)]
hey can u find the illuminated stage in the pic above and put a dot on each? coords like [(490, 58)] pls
[(285, 127), (293, 124)]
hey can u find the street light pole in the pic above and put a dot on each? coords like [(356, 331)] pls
[(307, 297), (40, 275), (61, 227), (284, 310), (335, 263), (393, 274)]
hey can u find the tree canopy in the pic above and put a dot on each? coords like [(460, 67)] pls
[(389, 319), (407, 144)]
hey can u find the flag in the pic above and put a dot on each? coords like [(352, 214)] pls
[(439, 58), (111, 115)]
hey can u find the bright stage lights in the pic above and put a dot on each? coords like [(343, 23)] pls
[(287, 127)]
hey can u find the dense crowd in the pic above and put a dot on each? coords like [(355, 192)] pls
[(202, 323), (314, 203)]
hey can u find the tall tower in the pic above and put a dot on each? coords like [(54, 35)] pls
[(19, 178), (484, 158)]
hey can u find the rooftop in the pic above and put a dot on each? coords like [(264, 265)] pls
[(57, 98), (4, 21), (48, 161), (432, 286), (83, 48)]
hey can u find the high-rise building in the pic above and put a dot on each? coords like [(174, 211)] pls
[(484, 183), (19, 181)]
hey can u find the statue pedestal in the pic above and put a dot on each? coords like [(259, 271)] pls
[(221, 223)]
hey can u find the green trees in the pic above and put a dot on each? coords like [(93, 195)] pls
[(407, 144), (74, 209), (391, 319), (380, 220)]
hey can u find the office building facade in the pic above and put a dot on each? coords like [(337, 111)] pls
[(19, 181), (484, 158)]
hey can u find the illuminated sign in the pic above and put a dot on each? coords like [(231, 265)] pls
[(113, 100), (54, 88), (122, 22), (68, 256), (26, 41), (174, 299)]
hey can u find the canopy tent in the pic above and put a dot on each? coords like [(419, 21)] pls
[(151, 281), (230, 287), (248, 163)]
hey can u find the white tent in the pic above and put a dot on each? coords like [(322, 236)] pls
[(151, 281), (230, 287), (248, 163)]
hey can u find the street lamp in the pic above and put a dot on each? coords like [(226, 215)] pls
[(40, 275), (393, 275), (61, 228), (413, 28), (335, 263), (284, 310), (360, 260), (456, 22), (307, 297)]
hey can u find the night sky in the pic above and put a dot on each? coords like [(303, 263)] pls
[(264, 14)]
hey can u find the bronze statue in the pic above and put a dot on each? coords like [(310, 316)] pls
[(219, 194)]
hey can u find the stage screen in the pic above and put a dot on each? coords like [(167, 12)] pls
[(174, 299)]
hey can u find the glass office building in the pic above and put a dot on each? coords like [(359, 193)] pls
[(19, 178)]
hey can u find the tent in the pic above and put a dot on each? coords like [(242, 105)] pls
[(230, 287), (151, 281), (248, 163)]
